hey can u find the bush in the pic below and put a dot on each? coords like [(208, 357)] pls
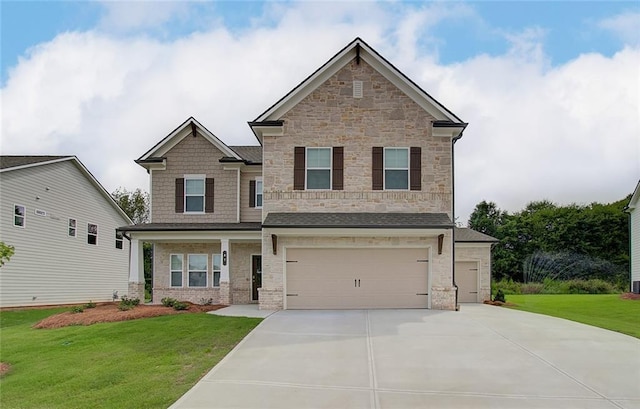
[(594, 286), (90, 304), (168, 301), (532, 288), (77, 309), (180, 306), (128, 303), (508, 286), (499, 296)]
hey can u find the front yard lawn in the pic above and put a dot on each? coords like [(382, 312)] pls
[(607, 311), (146, 363)]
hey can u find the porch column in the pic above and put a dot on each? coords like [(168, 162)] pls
[(136, 271), (225, 287)]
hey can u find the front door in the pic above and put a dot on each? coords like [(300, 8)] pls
[(256, 276)]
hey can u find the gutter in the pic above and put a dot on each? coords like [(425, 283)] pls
[(453, 217)]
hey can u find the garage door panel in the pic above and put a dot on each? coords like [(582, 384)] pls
[(467, 281), (356, 278)]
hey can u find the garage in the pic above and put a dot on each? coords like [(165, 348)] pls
[(356, 278), (467, 281)]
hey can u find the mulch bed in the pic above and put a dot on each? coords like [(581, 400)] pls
[(111, 313), (630, 296)]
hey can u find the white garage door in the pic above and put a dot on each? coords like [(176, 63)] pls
[(467, 281), (356, 278)]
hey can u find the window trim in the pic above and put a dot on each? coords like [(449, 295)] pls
[(204, 193), (24, 216), (91, 234), (120, 240), (306, 167), (214, 271), (75, 228), (407, 169), (206, 271), (171, 270), (261, 194)]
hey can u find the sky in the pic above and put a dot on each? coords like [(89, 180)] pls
[(551, 90)]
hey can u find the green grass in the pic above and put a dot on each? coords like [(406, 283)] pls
[(606, 311), (146, 363)]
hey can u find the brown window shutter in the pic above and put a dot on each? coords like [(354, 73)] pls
[(338, 166), (298, 168), (415, 168), (208, 196), (252, 193), (179, 195), (377, 169)]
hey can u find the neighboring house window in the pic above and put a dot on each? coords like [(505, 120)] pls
[(318, 168), (19, 215), (92, 233), (119, 239), (72, 228), (176, 270), (396, 168), (197, 270), (216, 270), (255, 193), (194, 194)]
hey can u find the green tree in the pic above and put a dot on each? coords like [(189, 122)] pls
[(6, 252), (134, 203)]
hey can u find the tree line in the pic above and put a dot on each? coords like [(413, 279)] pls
[(544, 230)]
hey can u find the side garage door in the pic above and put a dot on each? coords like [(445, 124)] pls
[(467, 281), (356, 278)]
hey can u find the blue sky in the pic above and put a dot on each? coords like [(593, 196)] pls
[(551, 89)]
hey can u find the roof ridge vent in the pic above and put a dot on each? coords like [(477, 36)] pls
[(357, 89)]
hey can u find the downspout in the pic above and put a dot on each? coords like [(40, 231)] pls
[(453, 216)]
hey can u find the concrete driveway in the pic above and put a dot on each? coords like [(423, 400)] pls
[(480, 357)]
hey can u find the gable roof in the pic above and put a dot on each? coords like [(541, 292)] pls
[(635, 197), (185, 129), (10, 163), (358, 49), (250, 154), (466, 235)]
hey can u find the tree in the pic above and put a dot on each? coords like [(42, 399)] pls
[(6, 252), (134, 203), (486, 218)]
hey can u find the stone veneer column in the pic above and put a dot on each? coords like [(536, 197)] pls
[(136, 271), (225, 288)]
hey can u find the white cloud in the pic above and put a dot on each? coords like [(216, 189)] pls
[(131, 15), (567, 133), (625, 26)]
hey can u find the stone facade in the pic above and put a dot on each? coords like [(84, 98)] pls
[(480, 253), (385, 117), (136, 290), (194, 156)]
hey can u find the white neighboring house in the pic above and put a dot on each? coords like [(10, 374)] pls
[(62, 223), (634, 238)]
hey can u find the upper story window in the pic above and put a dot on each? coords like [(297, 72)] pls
[(396, 168), (255, 193), (318, 168), (119, 239), (92, 233), (194, 194), (19, 215), (258, 192), (72, 227)]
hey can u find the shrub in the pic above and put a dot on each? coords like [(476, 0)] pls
[(180, 306), (168, 301), (90, 304), (128, 303), (594, 286), (508, 286), (125, 307), (499, 296), (532, 288), (77, 309)]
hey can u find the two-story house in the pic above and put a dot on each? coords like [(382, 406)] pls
[(347, 203)]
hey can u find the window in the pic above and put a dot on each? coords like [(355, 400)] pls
[(176, 270), (197, 270), (92, 233), (119, 239), (396, 168), (258, 192), (216, 270), (72, 228), (19, 215), (318, 168), (194, 194)]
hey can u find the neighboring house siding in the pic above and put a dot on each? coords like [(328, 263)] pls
[(331, 117), (480, 253), (48, 264), (635, 244), (248, 214), (194, 156)]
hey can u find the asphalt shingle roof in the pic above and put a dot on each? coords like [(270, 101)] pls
[(192, 227), (13, 161), (359, 220), (466, 235), (249, 153)]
